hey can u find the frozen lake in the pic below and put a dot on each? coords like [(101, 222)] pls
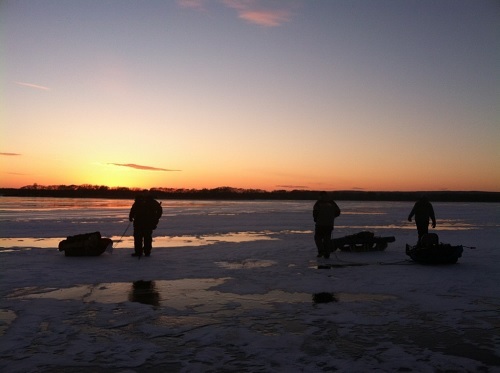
[(235, 286), (56, 218)]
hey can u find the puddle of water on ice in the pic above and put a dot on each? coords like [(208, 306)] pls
[(246, 264), (7, 244), (186, 294), (6, 318)]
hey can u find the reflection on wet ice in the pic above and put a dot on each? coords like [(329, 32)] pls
[(196, 295), (144, 292), (6, 244), (6, 318)]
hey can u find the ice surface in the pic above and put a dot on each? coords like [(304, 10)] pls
[(231, 286)]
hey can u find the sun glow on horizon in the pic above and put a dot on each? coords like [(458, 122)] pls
[(251, 95)]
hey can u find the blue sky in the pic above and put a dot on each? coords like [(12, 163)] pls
[(372, 95)]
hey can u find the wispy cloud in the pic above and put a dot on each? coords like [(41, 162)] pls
[(36, 86), (260, 12), (140, 167), (292, 186), (10, 154), (16, 173)]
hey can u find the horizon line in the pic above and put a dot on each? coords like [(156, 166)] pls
[(165, 189)]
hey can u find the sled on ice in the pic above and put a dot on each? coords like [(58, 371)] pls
[(87, 244), (431, 251), (362, 241)]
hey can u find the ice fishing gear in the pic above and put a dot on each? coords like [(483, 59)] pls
[(430, 251), (125, 231), (87, 244), (362, 241)]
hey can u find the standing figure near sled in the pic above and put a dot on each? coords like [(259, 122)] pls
[(145, 213), (325, 211), (424, 212)]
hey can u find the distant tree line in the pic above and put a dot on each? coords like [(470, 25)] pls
[(229, 193)]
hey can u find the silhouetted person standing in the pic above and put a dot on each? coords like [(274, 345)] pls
[(145, 213), (424, 212), (325, 211)]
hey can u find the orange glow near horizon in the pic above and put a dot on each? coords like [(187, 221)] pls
[(23, 170), (211, 94), (147, 180), (246, 171)]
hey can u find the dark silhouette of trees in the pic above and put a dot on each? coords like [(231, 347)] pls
[(230, 193)]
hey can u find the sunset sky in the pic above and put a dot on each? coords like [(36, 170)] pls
[(288, 94)]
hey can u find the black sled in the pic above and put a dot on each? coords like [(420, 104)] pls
[(362, 241), (87, 244), (430, 251)]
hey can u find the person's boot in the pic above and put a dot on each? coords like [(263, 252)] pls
[(137, 253)]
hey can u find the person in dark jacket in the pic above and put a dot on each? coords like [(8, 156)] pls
[(325, 211), (145, 213), (423, 212)]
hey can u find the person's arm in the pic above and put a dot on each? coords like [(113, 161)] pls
[(159, 211), (337, 209), (132, 213), (315, 211), (433, 217), (412, 212)]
